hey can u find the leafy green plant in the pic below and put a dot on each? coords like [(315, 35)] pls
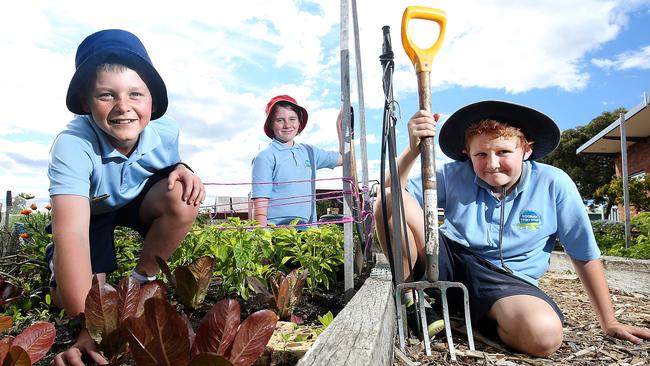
[(128, 244), (320, 251), (191, 281), (34, 223), (285, 294), (326, 319), (610, 237), (108, 308), (240, 253), (160, 336), (198, 242), (27, 347)]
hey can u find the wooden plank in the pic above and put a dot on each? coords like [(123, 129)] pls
[(362, 333)]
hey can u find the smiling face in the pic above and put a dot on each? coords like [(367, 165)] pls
[(120, 104), (497, 157), (285, 124)]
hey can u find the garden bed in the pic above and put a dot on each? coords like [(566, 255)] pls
[(309, 309)]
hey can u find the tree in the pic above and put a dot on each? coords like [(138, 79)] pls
[(588, 171), (638, 189)]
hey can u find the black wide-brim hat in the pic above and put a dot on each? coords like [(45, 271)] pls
[(535, 125), (114, 46)]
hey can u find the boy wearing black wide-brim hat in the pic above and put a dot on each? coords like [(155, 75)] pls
[(112, 166), (503, 214)]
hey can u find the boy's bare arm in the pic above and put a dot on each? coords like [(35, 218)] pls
[(592, 275), (70, 223), (260, 208)]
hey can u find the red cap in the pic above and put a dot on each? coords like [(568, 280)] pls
[(302, 116)]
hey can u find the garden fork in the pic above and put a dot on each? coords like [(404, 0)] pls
[(421, 59)]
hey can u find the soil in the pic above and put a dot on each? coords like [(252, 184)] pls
[(584, 342), (309, 309)]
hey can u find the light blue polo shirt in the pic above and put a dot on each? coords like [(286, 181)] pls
[(279, 163), (83, 162), (544, 205)]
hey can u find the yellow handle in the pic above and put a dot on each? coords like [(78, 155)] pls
[(422, 58)]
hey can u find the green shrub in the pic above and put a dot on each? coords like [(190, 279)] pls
[(610, 237)]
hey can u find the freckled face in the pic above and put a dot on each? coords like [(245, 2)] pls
[(121, 105), (285, 125), (497, 161)]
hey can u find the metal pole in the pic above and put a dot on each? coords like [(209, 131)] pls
[(348, 244), (362, 111), (624, 173)]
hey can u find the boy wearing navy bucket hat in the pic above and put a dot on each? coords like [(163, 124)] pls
[(117, 163), (289, 165), (503, 214)]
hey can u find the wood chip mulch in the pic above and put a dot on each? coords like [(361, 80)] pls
[(584, 342)]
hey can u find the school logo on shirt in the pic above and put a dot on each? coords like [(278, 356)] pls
[(529, 220), (307, 164)]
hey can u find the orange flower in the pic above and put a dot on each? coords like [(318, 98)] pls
[(24, 235), (25, 211), (33, 206), (48, 207)]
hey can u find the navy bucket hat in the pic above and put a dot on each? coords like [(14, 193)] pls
[(118, 47), (535, 125)]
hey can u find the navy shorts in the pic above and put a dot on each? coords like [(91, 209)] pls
[(485, 282), (102, 228)]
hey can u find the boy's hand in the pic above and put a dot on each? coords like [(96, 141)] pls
[(628, 332), (83, 345), (193, 189), (422, 124)]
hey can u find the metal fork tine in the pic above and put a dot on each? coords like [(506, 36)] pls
[(468, 319), (423, 321), (445, 316)]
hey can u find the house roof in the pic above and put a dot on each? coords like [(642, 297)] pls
[(608, 141)]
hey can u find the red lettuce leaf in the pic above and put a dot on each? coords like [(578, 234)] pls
[(252, 337), (101, 310), (128, 293), (209, 359), (9, 292), (152, 289), (17, 357), (36, 340), (6, 322), (170, 343), (218, 328)]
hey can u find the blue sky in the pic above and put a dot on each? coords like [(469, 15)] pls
[(573, 59)]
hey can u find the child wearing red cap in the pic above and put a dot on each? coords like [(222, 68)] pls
[(117, 163), (289, 165)]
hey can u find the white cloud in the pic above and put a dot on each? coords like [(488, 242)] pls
[(222, 63), (627, 60)]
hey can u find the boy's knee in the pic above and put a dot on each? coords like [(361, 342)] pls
[(541, 337), (547, 341)]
